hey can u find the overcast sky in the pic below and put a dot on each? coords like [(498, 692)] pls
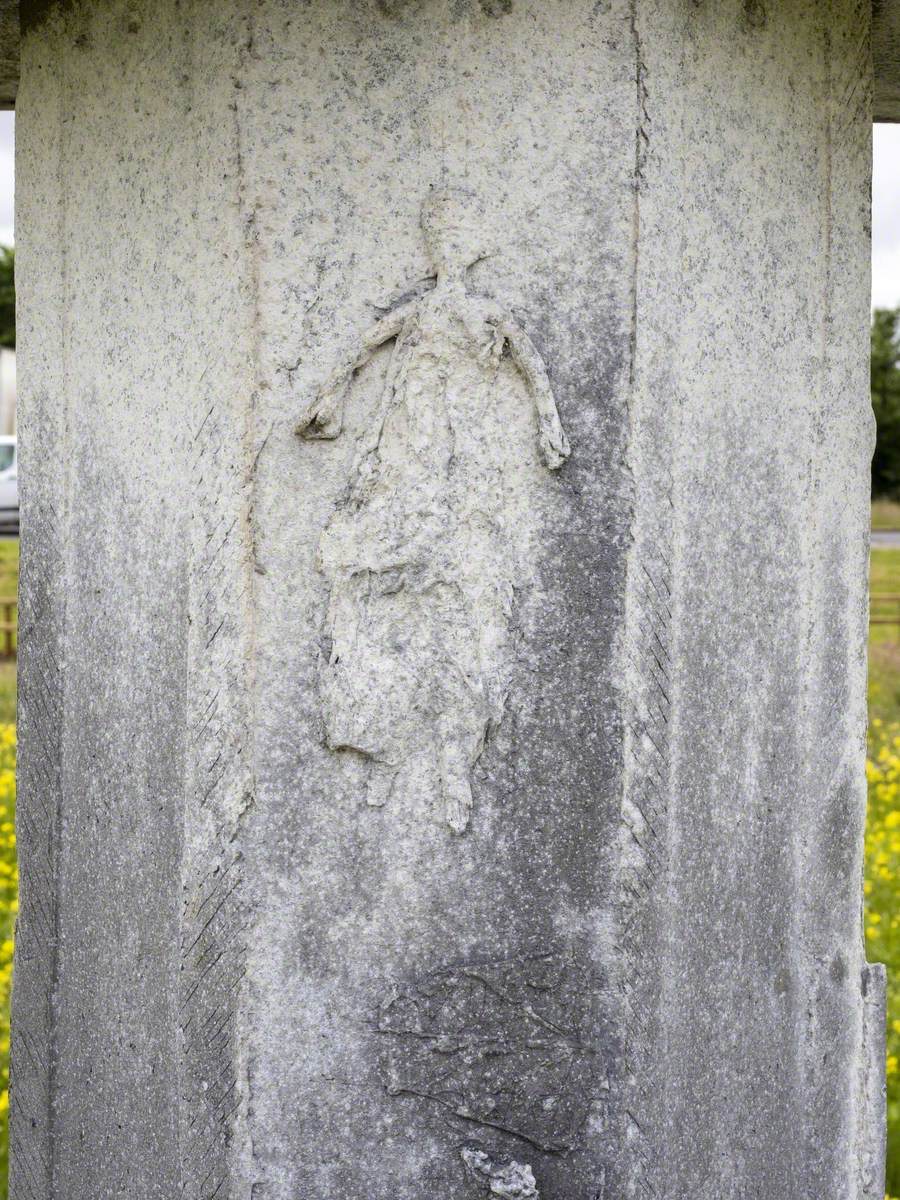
[(886, 217), (7, 120), (885, 207)]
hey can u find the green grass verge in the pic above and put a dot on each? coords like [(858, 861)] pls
[(884, 641)]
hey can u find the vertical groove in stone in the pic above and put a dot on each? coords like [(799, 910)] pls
[(868, 1149), (837, 518), (218, 793), (648, 692), (244, 1162), (43, 472), (219, 672)]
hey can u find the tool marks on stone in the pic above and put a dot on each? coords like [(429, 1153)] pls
[(215, 911), (436, 531), (504, 1045)]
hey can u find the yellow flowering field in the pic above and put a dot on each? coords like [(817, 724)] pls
[(882, 885), (9, 890)]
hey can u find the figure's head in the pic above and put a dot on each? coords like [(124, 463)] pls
[(453, 224)]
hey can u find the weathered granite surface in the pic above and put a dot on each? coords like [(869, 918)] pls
[(885, 47), (469, 804)]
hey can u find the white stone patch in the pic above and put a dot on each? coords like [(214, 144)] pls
[(512, 1180)]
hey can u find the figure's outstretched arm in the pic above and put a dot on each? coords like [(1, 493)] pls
[(554, 445), (325, 415)]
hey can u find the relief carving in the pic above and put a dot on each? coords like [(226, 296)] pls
[(501, 1045), (432, 537), (511, 1179)]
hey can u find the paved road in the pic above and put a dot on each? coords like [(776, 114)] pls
[(886, 539)]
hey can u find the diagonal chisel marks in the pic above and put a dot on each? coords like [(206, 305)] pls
[(215, 915), (214, 919), (213, 955), (644, 812), (648, 694)]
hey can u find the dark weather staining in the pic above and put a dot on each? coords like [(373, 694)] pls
[(501, 1047)]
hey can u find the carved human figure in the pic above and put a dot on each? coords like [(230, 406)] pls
[(422, 555)]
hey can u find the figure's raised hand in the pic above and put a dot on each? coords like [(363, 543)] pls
[(554, 444), (325, 415)]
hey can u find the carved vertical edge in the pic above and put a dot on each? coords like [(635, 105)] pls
[(43, 427), (647, 691), (642, 840), (37, 819), (219, 790), (40, 717), (839, 510), (872, 1123)]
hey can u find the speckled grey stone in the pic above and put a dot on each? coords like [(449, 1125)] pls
[(594, 930), (885, 44)]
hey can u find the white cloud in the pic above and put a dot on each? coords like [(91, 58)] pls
[(7, 175)]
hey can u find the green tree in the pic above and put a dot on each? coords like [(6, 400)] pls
[(8, 297), (885, 380)]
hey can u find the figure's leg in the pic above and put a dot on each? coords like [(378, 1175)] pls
[(381, 783)]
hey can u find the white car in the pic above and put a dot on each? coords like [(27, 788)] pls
[(9, 485)]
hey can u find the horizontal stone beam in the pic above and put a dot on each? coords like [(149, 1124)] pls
[(885, 49)]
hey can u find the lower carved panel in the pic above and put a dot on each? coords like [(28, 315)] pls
[(500, 1045)]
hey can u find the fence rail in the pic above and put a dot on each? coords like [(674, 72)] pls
[(8, 626), (878, 602)]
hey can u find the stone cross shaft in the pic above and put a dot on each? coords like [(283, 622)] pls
[(444, 447)]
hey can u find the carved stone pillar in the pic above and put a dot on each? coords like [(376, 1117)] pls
[(444, 440)]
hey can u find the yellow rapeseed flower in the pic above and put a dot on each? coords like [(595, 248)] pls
[(9, 907)]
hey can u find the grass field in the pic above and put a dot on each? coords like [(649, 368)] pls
[(884, 642), (885, 514)]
